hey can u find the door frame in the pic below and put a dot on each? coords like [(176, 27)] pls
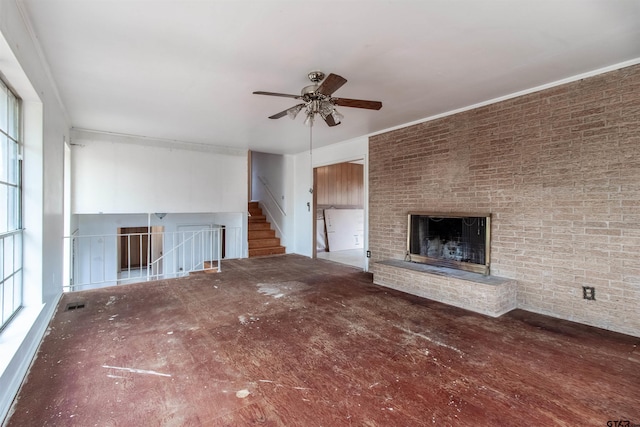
[(365, 203)]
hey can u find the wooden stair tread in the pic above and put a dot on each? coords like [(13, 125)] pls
[(264, 243), (262, 239), (267, 251), (262, 234), (259, 226)]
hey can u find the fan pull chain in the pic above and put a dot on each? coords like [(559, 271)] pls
[(311, 157)]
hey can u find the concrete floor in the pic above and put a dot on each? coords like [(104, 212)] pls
[(290, 341)]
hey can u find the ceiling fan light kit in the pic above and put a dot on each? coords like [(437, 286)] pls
[(317, 99), (293, 111)]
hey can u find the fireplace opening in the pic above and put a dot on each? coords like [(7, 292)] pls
[(450, 240)]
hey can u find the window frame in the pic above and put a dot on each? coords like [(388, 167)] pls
[(11, 186)]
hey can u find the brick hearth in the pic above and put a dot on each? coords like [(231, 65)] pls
[(490, 295)]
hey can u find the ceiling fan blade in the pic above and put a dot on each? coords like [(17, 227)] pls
[(280, 114), (293, 111), (358, 103), (332, 83), (286, 95), (330, 121)]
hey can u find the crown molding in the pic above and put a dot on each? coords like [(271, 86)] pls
[(80, 134), (534, 89)]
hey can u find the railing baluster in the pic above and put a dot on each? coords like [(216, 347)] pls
[(128, 256), (104, 259), (90, 260), (219, 240), (75, 265), (204, 255)]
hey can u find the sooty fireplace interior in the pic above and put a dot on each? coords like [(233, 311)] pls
[(450, 240)]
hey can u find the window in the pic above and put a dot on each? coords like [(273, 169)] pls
[(10, 214)]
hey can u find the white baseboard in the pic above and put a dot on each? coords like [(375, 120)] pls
[(20, 342)]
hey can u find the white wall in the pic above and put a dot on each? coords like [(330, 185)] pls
[(45, 129), (121, 174), (269, 187), (354, 149), (302, 216), (289, 204), (121, 181)]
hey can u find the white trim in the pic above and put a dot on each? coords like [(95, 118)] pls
[(359, 159), (104, 136), (20, 342), (556, 83), (364, 160), (14, 75)]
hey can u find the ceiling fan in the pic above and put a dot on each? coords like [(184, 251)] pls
[(317, 99)]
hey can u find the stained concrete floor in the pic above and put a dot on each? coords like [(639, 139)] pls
[(289, 341)]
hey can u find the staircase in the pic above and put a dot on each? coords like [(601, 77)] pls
[(262, 239)]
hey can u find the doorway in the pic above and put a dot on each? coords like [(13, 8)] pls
[(339, 202), (138, 247)]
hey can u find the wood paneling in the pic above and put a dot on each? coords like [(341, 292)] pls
[(340, 185)]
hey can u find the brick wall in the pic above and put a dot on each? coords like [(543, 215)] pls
[(558, 169)]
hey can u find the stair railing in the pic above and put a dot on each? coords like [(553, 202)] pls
[(96, 259), (275, 201), (272, 201), (200, 265)]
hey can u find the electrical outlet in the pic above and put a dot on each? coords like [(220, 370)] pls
[(589, 292), (368, 254)]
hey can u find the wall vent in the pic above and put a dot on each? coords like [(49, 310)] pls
[(74, 306)]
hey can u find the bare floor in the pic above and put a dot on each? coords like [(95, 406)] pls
[(353, 257), (298, 342)]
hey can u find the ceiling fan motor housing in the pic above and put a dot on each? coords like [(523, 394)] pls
[(309, 91)]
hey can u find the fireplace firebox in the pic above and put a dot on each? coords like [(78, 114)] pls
[(460, 241)]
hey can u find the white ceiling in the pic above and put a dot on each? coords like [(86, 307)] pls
[(185, 70)]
